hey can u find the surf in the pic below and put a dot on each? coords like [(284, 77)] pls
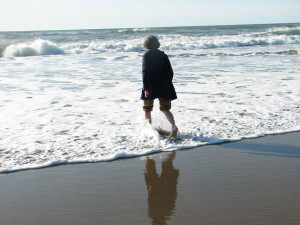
[(37, 47)]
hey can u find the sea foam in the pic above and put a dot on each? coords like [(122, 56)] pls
[(38, 47), (170, 42), (86, 108), (285, 30), (177, 43)]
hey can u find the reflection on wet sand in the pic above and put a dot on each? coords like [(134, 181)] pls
[(162, 189)]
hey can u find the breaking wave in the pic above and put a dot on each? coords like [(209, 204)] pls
[(38, 47), (176, 43), (96, 47), (286, 52), (169, 43), (134, 30), (285, 30)]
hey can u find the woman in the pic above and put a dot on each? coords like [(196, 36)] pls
[(157, 81)]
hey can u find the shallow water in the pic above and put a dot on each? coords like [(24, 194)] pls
[(75, 97)]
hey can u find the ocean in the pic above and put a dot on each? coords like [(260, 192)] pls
[(74, 96)]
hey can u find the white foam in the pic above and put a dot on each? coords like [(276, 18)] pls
[(86, 108), (179, 42), (170, 42), (134, 30), (284, 30), (38, 47), (192, 43), (98, 47)]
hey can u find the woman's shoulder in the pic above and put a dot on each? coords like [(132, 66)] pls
[(147, 54), (154, 54)]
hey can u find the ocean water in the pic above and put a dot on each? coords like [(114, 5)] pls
[(73, 96)]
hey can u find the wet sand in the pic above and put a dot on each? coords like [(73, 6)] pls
[(254, 181)]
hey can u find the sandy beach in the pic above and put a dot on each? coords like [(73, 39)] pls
[(253, 181)]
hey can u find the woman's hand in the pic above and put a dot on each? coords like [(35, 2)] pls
[(147, 93)]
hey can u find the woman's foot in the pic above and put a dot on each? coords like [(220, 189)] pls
[(174, 131)]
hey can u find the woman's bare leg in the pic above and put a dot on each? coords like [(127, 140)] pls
[(170, 118), (148, 116)]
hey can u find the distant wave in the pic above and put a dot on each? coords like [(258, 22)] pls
[(134, 30), (96, 47), (228, 41), (38, 47), (169, 43), (285, 30), (286, 52), (174, 43)]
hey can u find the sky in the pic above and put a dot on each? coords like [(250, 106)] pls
[(22, 15)]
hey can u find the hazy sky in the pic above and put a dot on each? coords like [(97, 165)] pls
[(94, 14)]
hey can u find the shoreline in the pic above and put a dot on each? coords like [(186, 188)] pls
[(151, 152), (253, 181)]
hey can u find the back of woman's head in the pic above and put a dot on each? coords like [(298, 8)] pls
[(151, 42)]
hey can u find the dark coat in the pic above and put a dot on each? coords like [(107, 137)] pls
[(157, 76)]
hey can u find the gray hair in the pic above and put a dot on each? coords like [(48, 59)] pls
[(151, 42)]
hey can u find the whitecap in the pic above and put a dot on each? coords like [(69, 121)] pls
[(38, 47)]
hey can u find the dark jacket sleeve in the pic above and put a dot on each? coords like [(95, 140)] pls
[(169, 68), (146, 73)]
